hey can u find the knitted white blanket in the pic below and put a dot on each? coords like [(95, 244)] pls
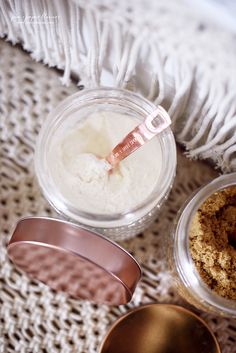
[(160, 48), (33, 318)]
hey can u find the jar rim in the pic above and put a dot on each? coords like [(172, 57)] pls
[(184, 262), (89, 97)]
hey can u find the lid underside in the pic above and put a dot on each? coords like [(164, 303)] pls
[(74, 260)]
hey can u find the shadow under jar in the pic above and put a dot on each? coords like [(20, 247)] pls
[(190, 284), (73, 113)]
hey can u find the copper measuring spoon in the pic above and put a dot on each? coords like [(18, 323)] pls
[(154, 123)]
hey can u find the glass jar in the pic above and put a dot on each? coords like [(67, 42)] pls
[(67, 114), (186, 276)]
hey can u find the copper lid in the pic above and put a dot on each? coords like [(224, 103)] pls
[(160, 328), (72, 259)]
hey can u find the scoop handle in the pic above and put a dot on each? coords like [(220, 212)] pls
[(154, 123)]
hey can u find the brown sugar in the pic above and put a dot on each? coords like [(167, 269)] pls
[(213, 242)]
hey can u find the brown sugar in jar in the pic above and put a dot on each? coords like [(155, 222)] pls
[(213, 242), (202, 247)]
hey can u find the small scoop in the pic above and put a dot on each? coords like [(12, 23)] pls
[(154, 123)]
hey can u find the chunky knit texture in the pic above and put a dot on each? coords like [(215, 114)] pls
[(32, 317)]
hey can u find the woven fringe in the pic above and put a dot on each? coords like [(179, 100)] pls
[(102, 48)]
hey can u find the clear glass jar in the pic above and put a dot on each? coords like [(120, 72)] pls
[(187, 279), (120, 225)]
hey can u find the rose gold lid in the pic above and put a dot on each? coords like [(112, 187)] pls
[(160, 328), (72, 259)]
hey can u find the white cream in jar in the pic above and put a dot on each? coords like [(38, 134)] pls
[(81, 175)]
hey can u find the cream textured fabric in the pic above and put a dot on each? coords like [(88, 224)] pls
[(32, 317), (159, 48)]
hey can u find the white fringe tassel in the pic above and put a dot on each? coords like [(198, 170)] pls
[(100, 50)]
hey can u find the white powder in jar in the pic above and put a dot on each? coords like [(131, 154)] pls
[(81, 174)]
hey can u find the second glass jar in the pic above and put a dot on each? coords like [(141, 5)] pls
[(185, 274)]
